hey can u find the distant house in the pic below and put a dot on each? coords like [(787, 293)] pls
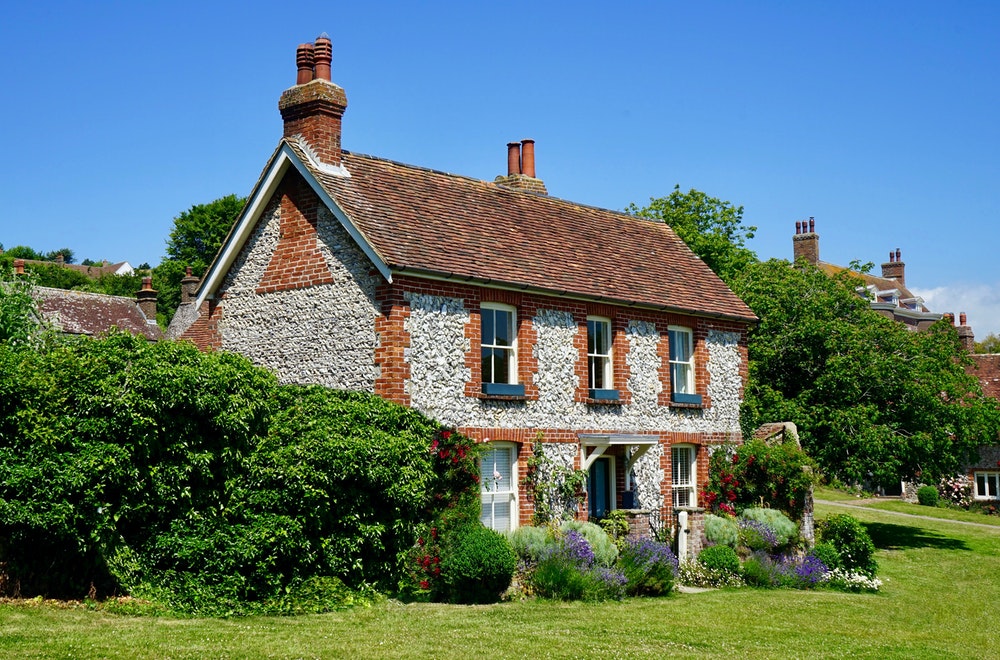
[(95, 314), (93, 271), (888, 294), (490, 306)]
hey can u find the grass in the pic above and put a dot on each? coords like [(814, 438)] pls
[(939, 599)]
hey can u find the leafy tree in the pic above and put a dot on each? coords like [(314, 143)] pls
[(24, 252), (989, 344), (873, 401), (196, 237), (19, 320), (712, 228), (65, 253)]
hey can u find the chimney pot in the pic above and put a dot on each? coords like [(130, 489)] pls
[(19, 266), (513, 158), (60, 259), (323, 55), (962, 319), (798, 227), (305, 60), (528, 158), (892, 257), (898, 255), (812, 225)]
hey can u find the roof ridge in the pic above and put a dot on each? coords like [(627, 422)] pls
[(494, 184)]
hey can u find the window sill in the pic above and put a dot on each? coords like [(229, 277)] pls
[(502, 397), (503, 389), (602, 402), (686, 400), (688, 406)]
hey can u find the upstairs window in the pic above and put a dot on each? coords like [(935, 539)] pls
[(499, 350), (987, 485), (599, 372), (682, 365)]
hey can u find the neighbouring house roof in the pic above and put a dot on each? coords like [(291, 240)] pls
[(93, 272), (83, 313), (413, 220), (876, 283)]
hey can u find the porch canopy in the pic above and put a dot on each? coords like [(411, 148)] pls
[(598, 443)]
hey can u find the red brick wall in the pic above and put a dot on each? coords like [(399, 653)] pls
[(297, 262)]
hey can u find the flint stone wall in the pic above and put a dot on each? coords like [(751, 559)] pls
[(320, 334), (436, 357)]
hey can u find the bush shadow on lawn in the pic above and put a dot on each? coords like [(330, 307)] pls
[(887, 536)]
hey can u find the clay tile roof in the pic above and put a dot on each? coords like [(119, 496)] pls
[(880, 283), (83, 313), (432, 222)]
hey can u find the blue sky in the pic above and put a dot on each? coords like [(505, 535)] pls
[(877, 118)]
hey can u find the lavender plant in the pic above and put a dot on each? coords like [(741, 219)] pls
[(649, 566)]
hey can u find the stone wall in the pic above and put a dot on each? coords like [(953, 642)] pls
[(321, 334)]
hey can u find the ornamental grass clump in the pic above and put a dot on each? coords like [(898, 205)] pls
[(721, 530), (649, 566)]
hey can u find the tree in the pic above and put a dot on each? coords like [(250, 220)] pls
[(712, 228), (873, 401), (24, 252), (989, 344), (65, 253), (196, 237), (19, 320)]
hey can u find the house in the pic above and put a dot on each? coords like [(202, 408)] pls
[(890, 297), (93, 314), (888, 294), (92, 271), (493, 307)]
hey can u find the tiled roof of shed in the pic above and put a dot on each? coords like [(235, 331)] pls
[(437, 223), (83, 313)]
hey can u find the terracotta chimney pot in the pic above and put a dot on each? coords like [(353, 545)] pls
[(305, 59), (323, 54), (528, 158), (513, 158)]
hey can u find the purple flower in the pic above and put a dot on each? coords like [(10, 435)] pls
[(758, 535), (576, 548), (647, 553)]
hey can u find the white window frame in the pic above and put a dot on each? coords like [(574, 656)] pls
[(676, 365), (991, 484), (602, 325), (690, 486), (492, 308), (491, 494)]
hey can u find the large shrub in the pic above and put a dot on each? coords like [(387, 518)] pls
[(854, 546), (105, 443), (194, 478), (477, 565), (720, 558), (927, 495), (780, 475)]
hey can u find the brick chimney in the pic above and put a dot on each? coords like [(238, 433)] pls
[(805, 244), (521, 168), (895, 269), (189, 286), (965, 334), (314, 107), (146, 299)]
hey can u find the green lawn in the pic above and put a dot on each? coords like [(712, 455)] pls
[(942, 588)]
